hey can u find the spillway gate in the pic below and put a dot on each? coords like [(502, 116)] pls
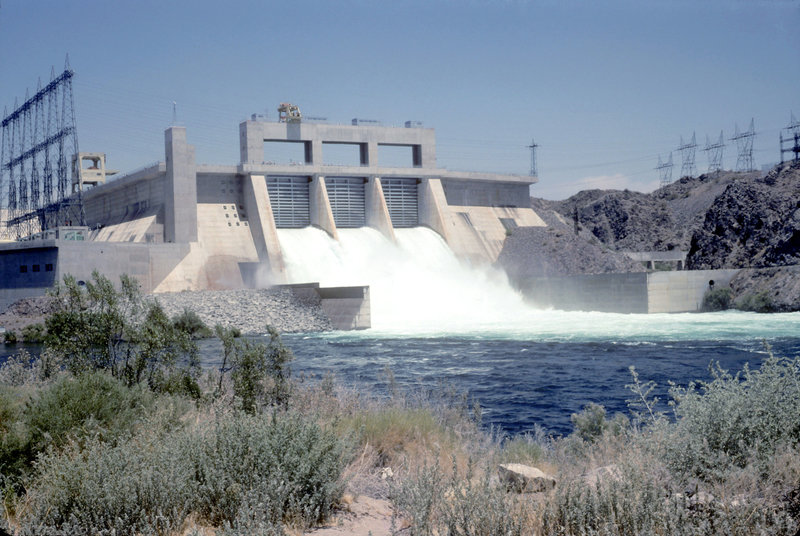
[(289, 197), (402, 201), (347, 198)]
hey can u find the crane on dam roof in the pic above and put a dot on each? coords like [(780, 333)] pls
[(289, 113)]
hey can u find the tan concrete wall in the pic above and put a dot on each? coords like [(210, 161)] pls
[(682, 291), (320, 207), (347, 307), (433, 206), (135, 200), (473, 232), (262, 228), (145, 228), (478, 233), (377, 215)]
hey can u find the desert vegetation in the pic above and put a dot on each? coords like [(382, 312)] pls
[(115, 429)]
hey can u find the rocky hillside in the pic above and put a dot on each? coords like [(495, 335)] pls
[(660, 221), (723, 220), (753, 223), (623, 220)]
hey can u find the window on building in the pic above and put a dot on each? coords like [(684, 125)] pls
[(36, 268), (23, 269), (48, 267)]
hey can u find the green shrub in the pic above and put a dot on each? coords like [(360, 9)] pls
[(288, 461), (760, 302), (434, 503), (717, 299), (525, 449), (260, 372), (91, 404), (141, 486), (591, 423), (33, 333), (102, 328), (641, 502), (190, 323), (735, 419), (15, 447), (10, 337), (87, 325), (241, 472)]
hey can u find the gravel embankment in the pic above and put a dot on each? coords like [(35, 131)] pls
[(250, 310)]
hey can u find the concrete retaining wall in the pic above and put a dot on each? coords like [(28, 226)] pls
[(348, 308), (655, 292), (614, 293), (683, 291)]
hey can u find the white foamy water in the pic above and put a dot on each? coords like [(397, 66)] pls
[(419, 288)]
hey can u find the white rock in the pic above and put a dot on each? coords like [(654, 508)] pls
[(521, 478)]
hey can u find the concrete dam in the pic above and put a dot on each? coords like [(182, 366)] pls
[(179, 225)]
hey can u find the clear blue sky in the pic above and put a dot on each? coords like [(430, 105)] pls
[(603, 87)]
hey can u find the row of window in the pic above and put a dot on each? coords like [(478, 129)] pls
[(23, 268)]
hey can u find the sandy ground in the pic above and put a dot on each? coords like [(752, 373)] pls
[(363, 516)]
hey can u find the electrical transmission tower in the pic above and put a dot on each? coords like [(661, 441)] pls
[(744, 142), (533, 147), (665, 170), (714, 152), (792, 139), (687, 151), (39, 140)]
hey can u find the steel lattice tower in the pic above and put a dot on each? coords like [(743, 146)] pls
[(792, 138), (38, 140), (665, 171), (687, 151), (744, 143), (714, 152), (532, 147)]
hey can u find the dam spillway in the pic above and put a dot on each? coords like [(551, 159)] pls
[(416, 282)]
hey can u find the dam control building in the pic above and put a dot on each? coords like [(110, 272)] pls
[(178, 225)]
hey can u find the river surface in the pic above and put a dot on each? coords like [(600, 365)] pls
[(539, 378), (438, 321)]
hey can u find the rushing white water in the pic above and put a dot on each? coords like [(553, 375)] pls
[(418, 287)]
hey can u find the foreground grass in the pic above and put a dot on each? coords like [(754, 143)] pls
[(87, 454)]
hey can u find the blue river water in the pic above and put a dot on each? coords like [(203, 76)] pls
[(539, 373), (540, 377)]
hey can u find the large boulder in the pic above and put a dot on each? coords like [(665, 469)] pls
[(524, 478)]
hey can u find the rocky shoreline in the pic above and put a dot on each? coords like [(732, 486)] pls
[(250, 310)]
